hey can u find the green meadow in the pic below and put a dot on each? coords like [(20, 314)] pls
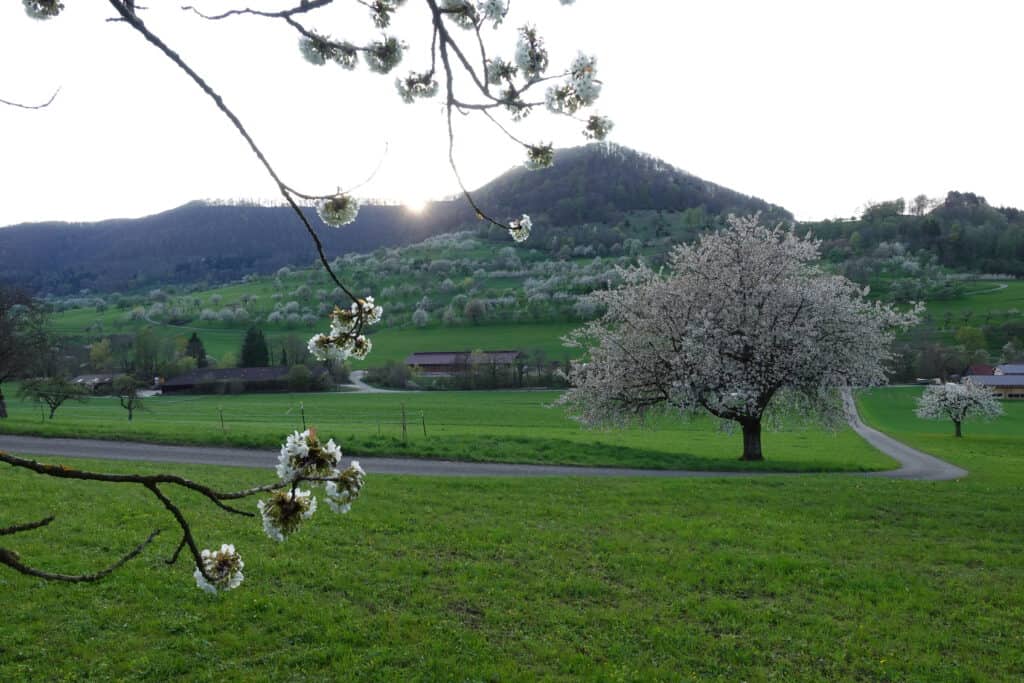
[(497, 426), (792, 578)]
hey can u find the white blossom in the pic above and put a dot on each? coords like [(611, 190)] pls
[(383, 56), (344, 338), (520, 229), (493, 10), (338, 210), (224, 567), (957, 402), (302, 455), (539, 157), (416, 86), (342, 491), (598, 127), (744, 316), (285, 511), (531, 55)]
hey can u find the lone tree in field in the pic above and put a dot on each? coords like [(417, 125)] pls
[(957, 402), (460, 64), (53, 391), (126, 388), (194, 348), (744, 315)]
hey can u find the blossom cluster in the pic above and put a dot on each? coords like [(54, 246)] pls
[(580, 89), (416, 85), (520, 229), (42, 9), (539, 156), (339, 210), (345, 337), (304, 457), (344, 489), (319, 50), (221, 569), (285, 511), (531, 55)]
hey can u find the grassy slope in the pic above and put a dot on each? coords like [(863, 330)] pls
[(791, 578), (494, 426)]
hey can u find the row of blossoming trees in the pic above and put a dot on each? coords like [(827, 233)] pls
[(471, 78)]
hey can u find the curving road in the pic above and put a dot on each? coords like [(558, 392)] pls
[(914, 464)]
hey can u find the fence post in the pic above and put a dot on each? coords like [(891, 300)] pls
[(423, 417), (405, 434)]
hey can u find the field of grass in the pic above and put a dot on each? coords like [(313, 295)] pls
[(981, 298), (499, 426), (808, 578)]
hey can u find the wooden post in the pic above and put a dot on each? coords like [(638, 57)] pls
[(302, 409), (220, 409), (423, 418), (405, 434)]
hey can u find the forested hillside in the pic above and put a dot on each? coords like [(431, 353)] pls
[(588, 193), (961, 232)]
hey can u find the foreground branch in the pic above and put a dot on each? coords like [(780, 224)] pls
[(13, 560)]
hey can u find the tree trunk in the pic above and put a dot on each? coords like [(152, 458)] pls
[(957, 423), (3, 405), (53, 409), (751, 439)]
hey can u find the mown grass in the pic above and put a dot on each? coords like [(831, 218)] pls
[(477, 426), (808, 578)]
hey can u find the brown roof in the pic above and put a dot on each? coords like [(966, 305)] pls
[(459, 357), (980, 369), (276, 373)]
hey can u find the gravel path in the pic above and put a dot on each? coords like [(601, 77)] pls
[(915, 464)]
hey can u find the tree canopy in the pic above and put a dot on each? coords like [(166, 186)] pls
[(743, 315)]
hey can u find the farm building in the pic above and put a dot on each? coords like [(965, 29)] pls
[(457, 362), (1006, 381), (237, 380)]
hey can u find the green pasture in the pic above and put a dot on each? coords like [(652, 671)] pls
[(982, 297), (790, 578), (509, 426)]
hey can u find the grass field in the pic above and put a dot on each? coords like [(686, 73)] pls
[(809, 578), (492, 426)]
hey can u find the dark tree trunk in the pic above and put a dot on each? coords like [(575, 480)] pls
[(751, 439), (957, 423), (53, 409), (3, 404)]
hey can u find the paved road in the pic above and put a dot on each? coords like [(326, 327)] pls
[(915, 464)]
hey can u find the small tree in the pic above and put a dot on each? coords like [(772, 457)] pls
[(745, 315), (53, 391), (100, 355), (957, 402), (195, 349), (126, 388), (254, 353)]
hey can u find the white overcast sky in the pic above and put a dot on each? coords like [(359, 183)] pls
[(820, 106)]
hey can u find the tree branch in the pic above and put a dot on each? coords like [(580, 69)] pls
[(13, 560), (45, 104)]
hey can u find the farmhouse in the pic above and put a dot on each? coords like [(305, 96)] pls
[(235, 380), (95, 384), (457, 362), (1006, 381)]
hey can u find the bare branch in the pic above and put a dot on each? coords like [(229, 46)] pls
[(303, 7), (28, 526), (13, 560), (45, 104)]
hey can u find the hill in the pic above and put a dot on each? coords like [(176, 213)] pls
[(204, 243)]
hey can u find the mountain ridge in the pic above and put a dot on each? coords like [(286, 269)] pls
[(214, 242)]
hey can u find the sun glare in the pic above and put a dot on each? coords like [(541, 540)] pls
[(415, 205)]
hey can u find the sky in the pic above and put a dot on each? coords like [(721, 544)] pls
[(821, 107)]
